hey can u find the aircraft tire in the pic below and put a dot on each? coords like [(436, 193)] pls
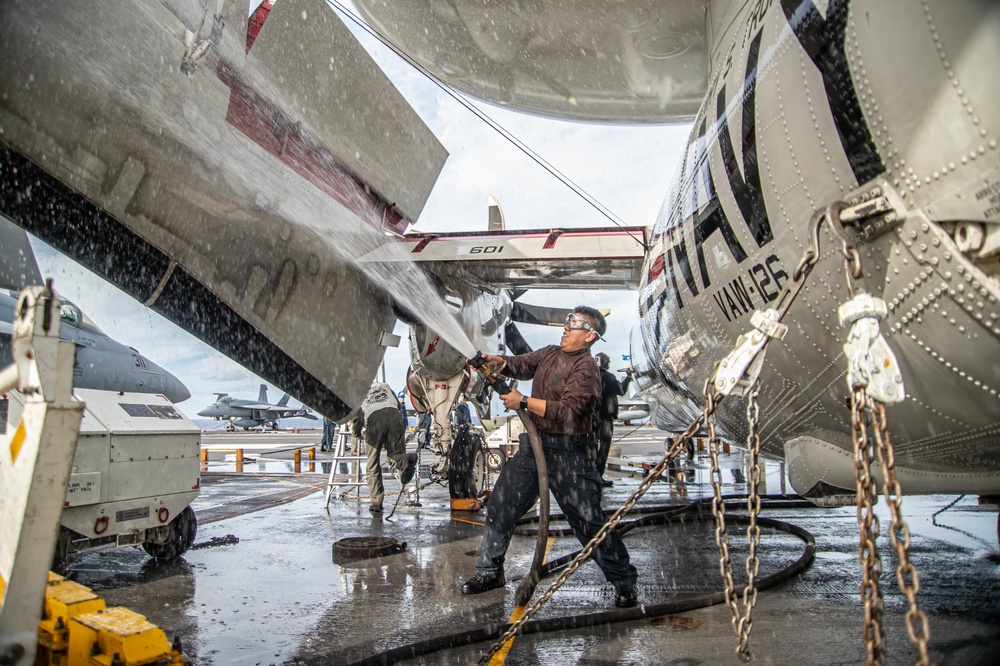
[(467, 467), (180, 534)]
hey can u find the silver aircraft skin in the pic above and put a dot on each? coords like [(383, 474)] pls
[(245, 413), (180, 140), (805, 109), (805, 105)]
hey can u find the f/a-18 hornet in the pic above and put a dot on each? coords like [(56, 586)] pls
[(246, 414), (102, 363), (243, 176)]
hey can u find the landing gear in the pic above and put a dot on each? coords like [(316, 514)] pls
[(467, 467), (173, 539)]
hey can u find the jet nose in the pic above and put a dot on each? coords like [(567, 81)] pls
[(175, 389)]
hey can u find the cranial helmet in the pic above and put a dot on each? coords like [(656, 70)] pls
[(603, 360)]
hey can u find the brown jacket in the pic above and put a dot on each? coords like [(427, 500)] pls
[(569, 383)]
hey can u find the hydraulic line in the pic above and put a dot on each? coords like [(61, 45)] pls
[(665, 515)]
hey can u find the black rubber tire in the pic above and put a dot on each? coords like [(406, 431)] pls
[(496, 459), (60, 556), (183, 530), (466, 467)]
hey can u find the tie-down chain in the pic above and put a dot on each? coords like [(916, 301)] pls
[(737, 374), (875, 381)]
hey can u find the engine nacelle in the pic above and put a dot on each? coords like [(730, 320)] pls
[(432, 356)]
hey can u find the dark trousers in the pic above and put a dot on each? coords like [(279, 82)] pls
[(329, 435), (605, 429), (384, 431), (576, 485)]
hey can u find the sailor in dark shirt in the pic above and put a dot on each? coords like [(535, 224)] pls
[(565, 389), (607, 410)]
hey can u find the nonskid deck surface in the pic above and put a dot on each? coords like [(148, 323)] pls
[(277, 596)]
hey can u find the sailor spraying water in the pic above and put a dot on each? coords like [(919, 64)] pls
[(564, 394)]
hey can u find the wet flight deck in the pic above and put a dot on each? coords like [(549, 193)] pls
[(263, 586)]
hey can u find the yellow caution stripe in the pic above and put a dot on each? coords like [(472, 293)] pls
[(17, 441), (501, 655), (470, 522)]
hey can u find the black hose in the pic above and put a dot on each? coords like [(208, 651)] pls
[(768, 501), (527, 586), (492, 632)]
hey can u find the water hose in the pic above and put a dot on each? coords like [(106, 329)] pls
[(666, 515), (527, 586)]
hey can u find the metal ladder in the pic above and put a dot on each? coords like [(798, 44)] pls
[(355, 466)]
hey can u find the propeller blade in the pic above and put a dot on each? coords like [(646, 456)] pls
[(516, 344), (538, 314)]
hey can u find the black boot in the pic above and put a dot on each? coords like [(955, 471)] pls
[(483, 583), (626, 595), (411, 466)]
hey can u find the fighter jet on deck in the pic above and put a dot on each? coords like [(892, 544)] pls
[(102, 362), (246, 414)]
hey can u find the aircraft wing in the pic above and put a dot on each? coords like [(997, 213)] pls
[(592, 258), (258, 407), (636, 61), (222, 177)]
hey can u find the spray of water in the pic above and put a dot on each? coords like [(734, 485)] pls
[(397, 275)]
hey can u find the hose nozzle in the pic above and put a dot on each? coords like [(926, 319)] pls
[(492, 377)]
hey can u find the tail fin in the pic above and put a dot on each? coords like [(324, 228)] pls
[(283, 401), (262, 396)]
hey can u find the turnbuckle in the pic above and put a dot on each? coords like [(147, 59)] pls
[(738, 371), (870, 360)]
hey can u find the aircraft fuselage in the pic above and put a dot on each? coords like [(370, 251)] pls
[(805, 108)]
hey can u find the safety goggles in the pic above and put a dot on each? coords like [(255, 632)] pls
[(576, 322)]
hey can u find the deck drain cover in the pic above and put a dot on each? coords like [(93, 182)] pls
[(361, 548)]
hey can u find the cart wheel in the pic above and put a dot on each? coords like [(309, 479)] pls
[(173, 539), (496, 459), (60, 558)]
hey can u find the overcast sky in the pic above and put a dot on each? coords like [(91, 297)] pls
[(627, 169)]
